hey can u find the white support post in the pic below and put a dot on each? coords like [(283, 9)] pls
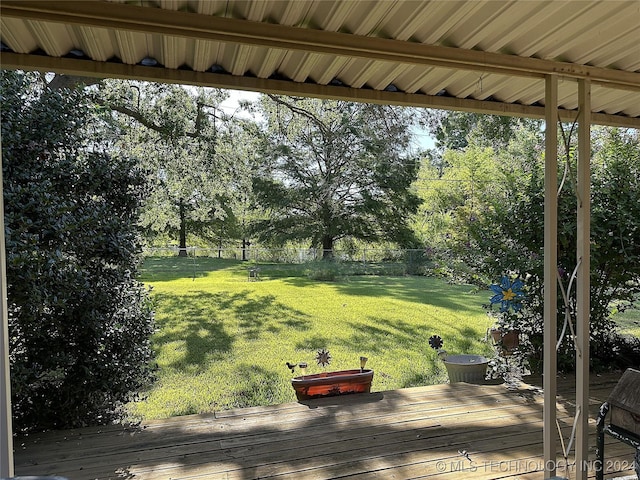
[(6, 431), (550, 274), (583, 281)]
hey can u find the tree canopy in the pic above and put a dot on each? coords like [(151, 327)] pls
[(487, 207), (333, 170), (182, 138)]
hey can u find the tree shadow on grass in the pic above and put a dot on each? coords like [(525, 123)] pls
[(381, 335), (191, 328), (203, 326), (166, 269), (421, 290), (264, 314), (424, 290), (302, 282), (314, 342)]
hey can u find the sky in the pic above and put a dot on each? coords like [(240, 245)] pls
[(231, 104), (422, 139)]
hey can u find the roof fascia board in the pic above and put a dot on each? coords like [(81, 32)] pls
[(231, 30), (90, 68)]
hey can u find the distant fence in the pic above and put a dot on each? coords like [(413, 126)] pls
[(298, 255)]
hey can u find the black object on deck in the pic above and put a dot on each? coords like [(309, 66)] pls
[(624, 423)]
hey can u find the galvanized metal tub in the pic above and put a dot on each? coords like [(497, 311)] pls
[(466, 368)]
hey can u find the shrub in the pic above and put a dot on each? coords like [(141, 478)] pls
[(509, 237), (79, 322)]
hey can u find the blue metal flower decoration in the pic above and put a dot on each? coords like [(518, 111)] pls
[(508, 294)]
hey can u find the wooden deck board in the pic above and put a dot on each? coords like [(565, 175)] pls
[(442, 431)]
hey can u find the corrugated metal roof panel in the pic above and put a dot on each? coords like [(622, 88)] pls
[(14, 36), (604, 35)]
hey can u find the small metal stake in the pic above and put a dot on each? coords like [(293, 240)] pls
[(363, 362)]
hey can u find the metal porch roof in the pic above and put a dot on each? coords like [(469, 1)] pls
[(486, 56)]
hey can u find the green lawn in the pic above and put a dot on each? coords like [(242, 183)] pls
[(223, 341), (629, 322)]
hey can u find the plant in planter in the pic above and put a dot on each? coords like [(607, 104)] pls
[(328, 384)]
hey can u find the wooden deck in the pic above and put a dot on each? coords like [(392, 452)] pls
[(457, 431)]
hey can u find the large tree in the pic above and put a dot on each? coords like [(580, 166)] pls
[(460, 186), (335, 169), (183, 139), (79, 322), (455, 130)]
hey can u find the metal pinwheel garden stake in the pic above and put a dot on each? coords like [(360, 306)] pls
[(435, 341), (506, 334), (323, 357), (508, 294)]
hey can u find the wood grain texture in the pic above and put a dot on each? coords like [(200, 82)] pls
[(442, 431)]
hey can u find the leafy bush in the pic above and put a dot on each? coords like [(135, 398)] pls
[(79, 322), (509, 237)]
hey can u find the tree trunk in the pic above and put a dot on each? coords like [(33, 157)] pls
[(182, 247), (327, 247)]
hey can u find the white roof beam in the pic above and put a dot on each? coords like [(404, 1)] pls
[(71, 66)]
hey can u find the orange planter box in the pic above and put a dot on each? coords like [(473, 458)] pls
[(329, 384)]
